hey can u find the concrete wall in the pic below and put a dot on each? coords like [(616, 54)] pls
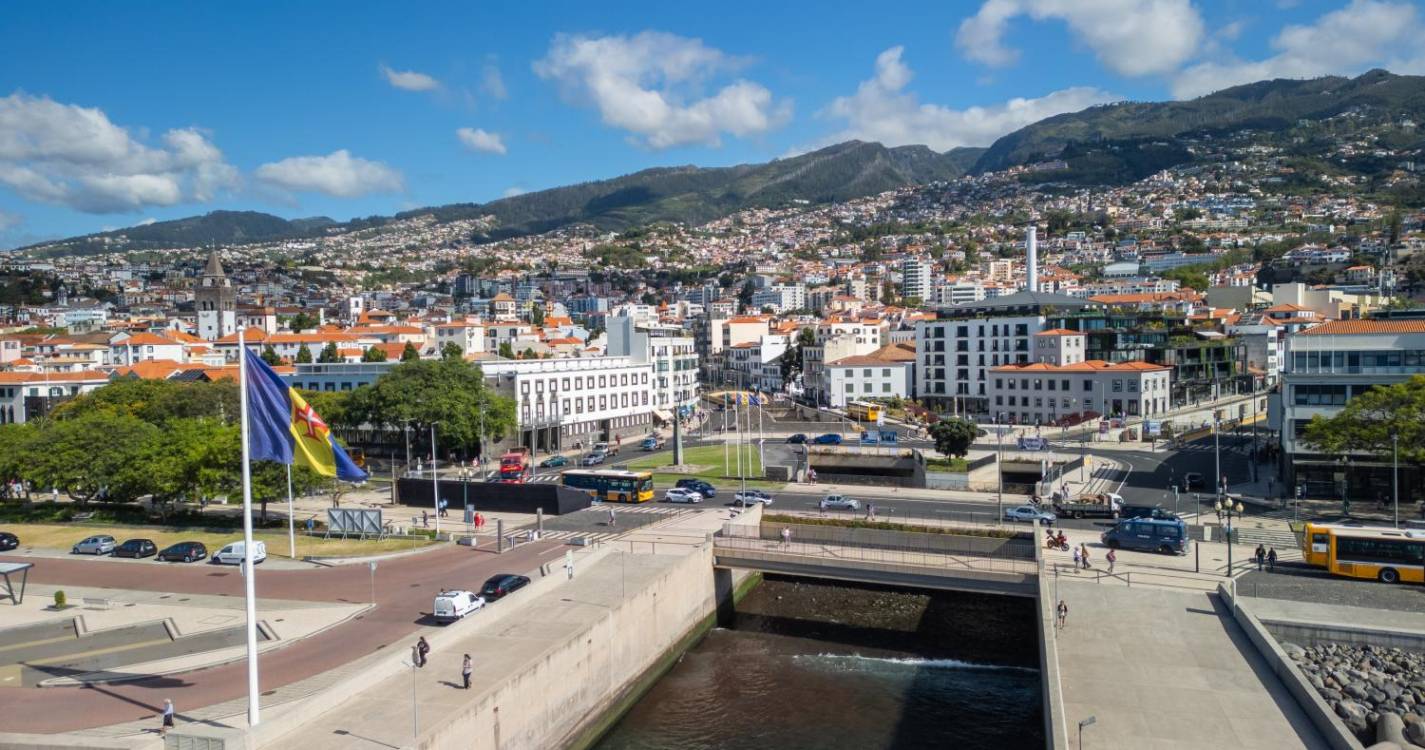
[(551, 702), (1312, 704), (1315, 634)]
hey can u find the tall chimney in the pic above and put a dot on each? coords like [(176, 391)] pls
[(1031, 244)]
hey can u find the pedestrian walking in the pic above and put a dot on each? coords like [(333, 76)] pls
[(423, 651), (1261, 555), (1111, 557), (166, 717), (1085, 549), (1272, 560), (1063, 610), (311, 524), (612, 520), (425, 520), (465, 669), (786, 536), (1078, 559)]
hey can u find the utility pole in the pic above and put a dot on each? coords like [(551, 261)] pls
[(1217, 454), (1395, 474), (434, 480)]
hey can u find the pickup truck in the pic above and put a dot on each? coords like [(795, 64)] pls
[(652, 443), (1089, 506)]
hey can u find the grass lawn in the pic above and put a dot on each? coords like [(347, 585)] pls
[(63, 536), (952, 465), (710, 457)]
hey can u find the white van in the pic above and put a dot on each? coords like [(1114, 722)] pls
[(453, 605), (233, 553)]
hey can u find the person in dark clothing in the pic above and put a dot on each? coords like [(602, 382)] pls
[(422, 650), (1272, 560), (1261, 555)]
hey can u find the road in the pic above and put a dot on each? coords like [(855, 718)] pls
[(405, 588)]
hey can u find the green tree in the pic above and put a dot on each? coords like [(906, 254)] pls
[(452, 350), (953, 436), (329, 354), (269, 355), (16, 443), (506, 350), (410, 353), (304, 356), (1374, 422), (302, 322), (536, 314), (157, 401), (99, 453), (374, 354), (449, 391)]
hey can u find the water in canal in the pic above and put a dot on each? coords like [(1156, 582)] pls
[(811, 665)]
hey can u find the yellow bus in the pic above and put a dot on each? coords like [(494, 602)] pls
[(1385, 554), (864, 411), (612, 485)]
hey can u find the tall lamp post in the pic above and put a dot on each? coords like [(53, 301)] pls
[(1227, 508), (999, 463), (1395, 474)]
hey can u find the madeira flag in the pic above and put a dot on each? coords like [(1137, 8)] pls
[(283, 427)]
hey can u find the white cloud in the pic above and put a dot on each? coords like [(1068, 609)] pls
[(477, 139), (1131, 37), (409, 80), (881, 110), (650, 85), (492, 83), (339, 174), (1345, 41), (146, 222), (75, 156), (511, 192)]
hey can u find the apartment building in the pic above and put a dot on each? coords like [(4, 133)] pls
[(28, 395), (1042, 393), (917, 278), (672, 353), (1325, 367), (888, 372)]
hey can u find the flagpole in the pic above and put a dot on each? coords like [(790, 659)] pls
[(249, 590), (291, 524)]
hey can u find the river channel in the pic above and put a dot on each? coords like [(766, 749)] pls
[(815, 665)]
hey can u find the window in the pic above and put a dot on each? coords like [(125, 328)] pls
[(885, 372), (1386, 551), (1117, 385), (885, 387), (1088, 385), (1132, 386), (1064, 385)]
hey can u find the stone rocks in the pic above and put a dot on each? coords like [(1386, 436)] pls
[(1378, 692)]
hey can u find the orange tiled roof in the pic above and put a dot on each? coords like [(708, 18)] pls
[(1092, 365), (1058, 332), (1339, 327)]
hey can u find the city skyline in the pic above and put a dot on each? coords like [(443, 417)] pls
[(362, 114)]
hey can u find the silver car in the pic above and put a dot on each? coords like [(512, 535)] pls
[(838, 502), (1029, 513), (95, 545)]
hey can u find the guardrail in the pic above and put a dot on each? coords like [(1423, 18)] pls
[(910, 561), (991, 547)]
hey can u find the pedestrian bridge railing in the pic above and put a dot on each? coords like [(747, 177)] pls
[(872, 549)]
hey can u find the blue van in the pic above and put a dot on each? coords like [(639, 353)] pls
[(1149, 534)]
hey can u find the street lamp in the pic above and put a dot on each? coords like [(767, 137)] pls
[(1090, 721), (1395, 474), (999, 462), (1227, 508)]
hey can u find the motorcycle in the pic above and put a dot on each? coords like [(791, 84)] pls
[(1059, 542)]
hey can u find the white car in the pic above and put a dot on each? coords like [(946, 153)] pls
[(233, 553), (749, 497), (839, 502), (453, 605), (682, 495)]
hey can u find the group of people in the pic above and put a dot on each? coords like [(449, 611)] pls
[(1266, 557)]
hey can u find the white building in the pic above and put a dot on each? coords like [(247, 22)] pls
[(780, 297), (27, 395), (917, 278), (886, 373), (673, 355), (1041, 393), (468, 335)]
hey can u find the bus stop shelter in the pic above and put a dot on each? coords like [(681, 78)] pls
[(21, 569)]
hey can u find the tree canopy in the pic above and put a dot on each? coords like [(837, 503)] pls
[(450, 393), (954, 436), (1375, 421)]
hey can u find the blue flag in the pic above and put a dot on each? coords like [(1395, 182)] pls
[(283, 427)]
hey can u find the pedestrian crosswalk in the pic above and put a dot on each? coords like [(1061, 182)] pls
[(601, 533), (1283, 541)]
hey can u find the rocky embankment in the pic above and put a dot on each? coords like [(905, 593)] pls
[(1378, 692)]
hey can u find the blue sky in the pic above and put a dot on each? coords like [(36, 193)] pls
[(112, 114)]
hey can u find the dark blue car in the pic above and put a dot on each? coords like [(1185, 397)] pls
[(698, 486), (829, 438)]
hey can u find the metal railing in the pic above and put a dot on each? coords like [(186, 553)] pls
[(905, 560)]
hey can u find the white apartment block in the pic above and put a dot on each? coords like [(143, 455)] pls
[(469, 336), (673, 355), (867, 377), (28, 395), (1042, 393), (917, 279), (781, 297)]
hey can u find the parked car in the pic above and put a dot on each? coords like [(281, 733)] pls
[(136, 548), (233, 553), (829, 438), (748, 497), (682, 495), (183, 552), (1029, 513), (8, 541), (553, 461), (453, 605), (94, 545), (698, 486), (1192, 481), (1168, 537), (839, 502), (797, 439), (593, 459), (502, 585)]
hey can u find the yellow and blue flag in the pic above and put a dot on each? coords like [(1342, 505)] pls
[(283, 427)]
